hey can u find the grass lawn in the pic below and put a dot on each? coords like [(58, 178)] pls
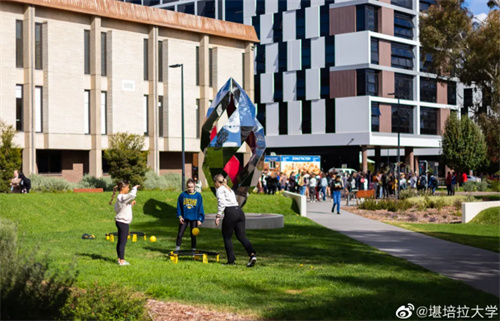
[(482, 232), (304, 271)]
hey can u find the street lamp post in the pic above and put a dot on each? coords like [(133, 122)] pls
[(182, 124), (398, 159)]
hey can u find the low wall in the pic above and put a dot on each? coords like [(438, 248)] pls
[(470, 210), (253, 221), (301, 201), (88, 190)]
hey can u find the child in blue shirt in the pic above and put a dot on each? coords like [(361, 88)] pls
[(189, 211)]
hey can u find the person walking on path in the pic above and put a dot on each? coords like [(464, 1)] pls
[(123, 218), (189, 212), (234, 221), (448, 183), (453, 183), (337, 188)]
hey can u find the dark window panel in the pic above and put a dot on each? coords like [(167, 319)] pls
[(428, 90), (150, 2), (324, 24), (452, 93), (38, 46), (261, 115), (428, 121), (206, 8), (278, 27), (260, 7), (374, 51), (19, 44), (402, 56), (402, 3), (375, 116), (325, 83), (366, 18), (146, 59), (306, 117), (19, 108), (86, 49), (210, 67), (330, 115), (402, 119), (160, 61), (301, 84), (282, 56), (160, 116), (186, 8), (104, 54), (300, 24), (283, 118), (403, 85), (425, 4), (329, 51), (306, 53), (234, 11), (49, 161), (197, 66), (278, 86), (403, 25), (367, 82)]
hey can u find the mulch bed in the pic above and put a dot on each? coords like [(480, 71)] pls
[(432, 215)]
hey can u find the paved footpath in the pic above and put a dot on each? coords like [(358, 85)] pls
[(476, 267)]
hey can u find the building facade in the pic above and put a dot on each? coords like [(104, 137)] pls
[(340, 78), (76, 72)]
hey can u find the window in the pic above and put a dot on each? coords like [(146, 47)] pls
[(426, 63), (452, 93), (306, 53), (48, 161), (261, 115), (19, 44), (206, 8), (324, 21), (104, 54), (186, 8), (104, 112), (402, 118), (197, 112), (146, 59), (374, 51), (39, 109), (150, 2), (366, 18), (197, 66), (282, 56), (428, 121), (300, 24), (325, 83), (403, 85), (425, 4), (210, 67), (428, 90), (220, 11), (306, 117), (402, 3), (367, 80), (403, 25), (375, 117), (19, 108), (261, 59), (86, 112), (278, 27), (283, 118), (160, 116), (401, 56), (86, 49), (329, 51), (38, 46), (301, 84), (278, 86), (260, 7), (160, 61), (330, 115), (234, 11), (468, 101), (145, 105)]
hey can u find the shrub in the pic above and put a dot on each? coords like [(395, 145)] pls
[(482, 186), (469, 186), (495, 185), (171, 181), (10, 156), (29, 290), (105, 303), (439, 203), (50, 184), (457, 204), (407, 193), (403, 205), (369, 204), (89, 181), (392, 206)]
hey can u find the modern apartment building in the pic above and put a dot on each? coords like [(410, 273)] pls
[(76, 72), (328, 75)]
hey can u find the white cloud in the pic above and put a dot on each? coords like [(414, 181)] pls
[(480, 17)]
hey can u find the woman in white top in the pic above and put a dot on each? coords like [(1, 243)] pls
[(234, 221), (123, 218)]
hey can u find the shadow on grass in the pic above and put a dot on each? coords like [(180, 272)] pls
[(483, 242), (94, 256), (158, 209)]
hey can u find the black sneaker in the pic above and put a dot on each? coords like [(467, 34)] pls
[(229, 263), (338, 213), (252, 261)]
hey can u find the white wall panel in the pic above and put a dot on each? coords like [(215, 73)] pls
[(318, 116), (352, 48), (317, 3), (247, 21), (312, 22), (272, 57), (312, 84), (272, 116), (271, 6), (292, 4), (266, 28), (352, 114), (294, 117), (249, 8), (318, 52), (289, 31), (293, 58), (289, 86), (266, 88)]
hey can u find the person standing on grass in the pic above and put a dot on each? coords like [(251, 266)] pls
[(234, 221), (448, 183), (189, 212), (337, 187), (123, 218), (453, 183)]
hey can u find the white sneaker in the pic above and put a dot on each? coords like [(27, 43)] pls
[(124, 263)]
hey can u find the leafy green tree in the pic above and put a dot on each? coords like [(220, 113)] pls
[(10, 156), (463, 145), (126, 159)]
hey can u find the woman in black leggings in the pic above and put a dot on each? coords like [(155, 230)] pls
[(234, 221)]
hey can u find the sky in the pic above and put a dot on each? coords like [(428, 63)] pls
[(478, 8)]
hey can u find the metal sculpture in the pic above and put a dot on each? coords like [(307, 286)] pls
[(220, 147)]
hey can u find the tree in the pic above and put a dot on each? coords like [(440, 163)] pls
[(10, 156), (463, 145), (126, 159)]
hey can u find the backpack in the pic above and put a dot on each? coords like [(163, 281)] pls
[(306, 180), (422, 181)]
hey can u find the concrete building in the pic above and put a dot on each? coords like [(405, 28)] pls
[(76, 72), (324, 75)]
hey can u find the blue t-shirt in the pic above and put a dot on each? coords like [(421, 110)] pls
[(190, 207)]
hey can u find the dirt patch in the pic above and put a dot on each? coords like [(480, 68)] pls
[(447, 214), (173, 311)]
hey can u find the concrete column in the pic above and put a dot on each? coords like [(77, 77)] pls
[(378, 159), (154, 154), (205, 93), (364, 158), (95, 156), (29, 151), (248, 67), (410, 158), (417, 169)]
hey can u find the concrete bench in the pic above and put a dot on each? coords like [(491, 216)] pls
[(88, 190), (470, 210), (301, 201)]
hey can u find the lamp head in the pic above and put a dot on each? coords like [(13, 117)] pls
[(175, 66)]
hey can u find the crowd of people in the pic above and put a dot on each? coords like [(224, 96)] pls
[(320, 187)]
